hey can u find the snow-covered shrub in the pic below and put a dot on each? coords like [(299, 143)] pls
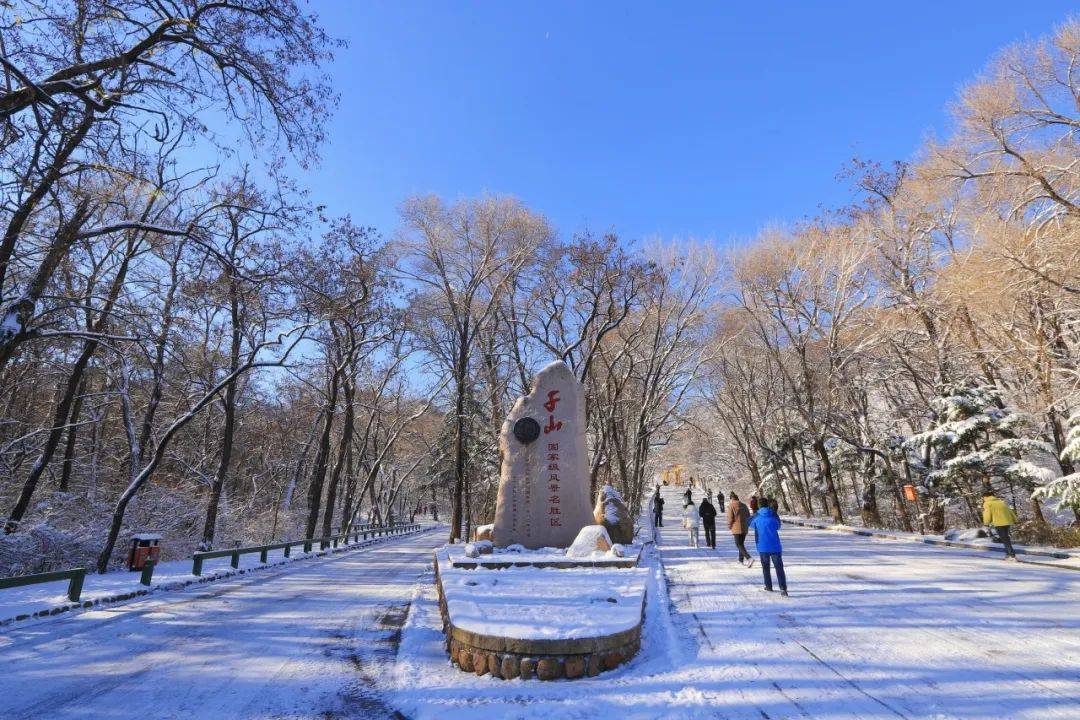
[(1066, 489), (977, 438)]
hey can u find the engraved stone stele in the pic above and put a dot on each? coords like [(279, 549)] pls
[(544, 487)]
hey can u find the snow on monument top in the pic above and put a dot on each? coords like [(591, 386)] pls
[(544, 486)]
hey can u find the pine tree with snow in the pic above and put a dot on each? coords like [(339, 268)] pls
[(978, 439), (1066, 489)]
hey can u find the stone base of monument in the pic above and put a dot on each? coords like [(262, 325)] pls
[(540, 622)]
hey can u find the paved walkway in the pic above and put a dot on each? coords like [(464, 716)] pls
[(295, 642), (875, 629)]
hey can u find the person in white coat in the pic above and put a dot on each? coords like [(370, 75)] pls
[(691, 521)]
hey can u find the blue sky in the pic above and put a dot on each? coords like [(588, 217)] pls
[(682, 119)]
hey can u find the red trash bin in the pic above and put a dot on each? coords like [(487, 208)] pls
[(144, 546)]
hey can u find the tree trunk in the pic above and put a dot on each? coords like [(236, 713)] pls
[(830, 485), (460, 379), (72, 436), (339, 463), (318, 470), (228, 429), (348, 511)]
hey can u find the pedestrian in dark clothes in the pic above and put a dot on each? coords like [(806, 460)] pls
[(688, 497), (708, 520), (658, 510), (753, 504), (738, 518), (720, 501), (766, 526)]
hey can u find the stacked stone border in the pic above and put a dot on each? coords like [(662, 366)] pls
[(198, 580), (549, 659)]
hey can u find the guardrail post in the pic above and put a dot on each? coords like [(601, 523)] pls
[(147, 572), (307, 546), (264, 555), (288, 549), (75, 585), (235, 560), (196, 567)]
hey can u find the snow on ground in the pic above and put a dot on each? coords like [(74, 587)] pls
[(299, 641), (544, 603), (547, 555), (174, 573), (957, 538), (423, 684), (871, 630)]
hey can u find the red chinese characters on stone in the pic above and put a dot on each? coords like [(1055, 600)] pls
[(552, 401), (552, 424), (554, 514)]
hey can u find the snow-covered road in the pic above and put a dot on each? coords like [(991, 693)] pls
[(295, 642), (875, 629)]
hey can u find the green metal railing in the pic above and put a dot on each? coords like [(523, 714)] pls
[(360, 533), (74, 577)]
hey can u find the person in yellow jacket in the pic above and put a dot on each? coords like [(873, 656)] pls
[(1001, 517)]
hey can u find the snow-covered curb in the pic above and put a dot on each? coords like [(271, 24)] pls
[(112, 597), (1065, 559)]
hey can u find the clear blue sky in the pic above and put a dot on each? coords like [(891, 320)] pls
[(673, 119)]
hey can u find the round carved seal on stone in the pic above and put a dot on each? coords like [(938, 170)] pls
[(526, 430)]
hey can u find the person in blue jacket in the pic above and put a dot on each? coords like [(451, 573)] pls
[(766, 527)]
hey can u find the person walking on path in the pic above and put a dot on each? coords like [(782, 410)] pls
[(1001, 517), (738, 518), (689, 496), (708, 520), (720, 501), (658, 509), (754, 504), (766, 527), (691, 521)]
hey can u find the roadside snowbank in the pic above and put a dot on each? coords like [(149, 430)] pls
[(1048, 556)]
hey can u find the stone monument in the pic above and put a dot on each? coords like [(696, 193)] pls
[(544, 486)]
